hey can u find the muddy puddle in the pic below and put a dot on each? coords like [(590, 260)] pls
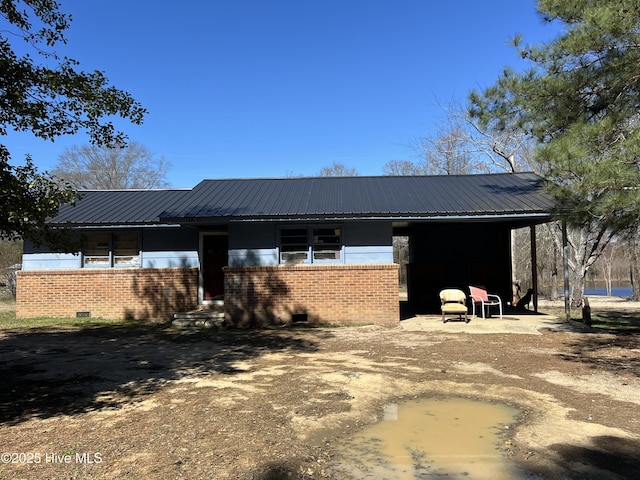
[(431, 438)]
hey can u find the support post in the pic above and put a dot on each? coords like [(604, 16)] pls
[(514, 272), (534, 267)]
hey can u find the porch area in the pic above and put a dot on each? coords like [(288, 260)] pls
[(525, 322)]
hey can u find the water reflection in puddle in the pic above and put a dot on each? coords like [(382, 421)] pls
[(429, 438)]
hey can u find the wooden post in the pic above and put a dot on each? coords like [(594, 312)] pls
[(534, 267)]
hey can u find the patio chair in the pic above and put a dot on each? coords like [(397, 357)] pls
[(485, 301), (453, 301)]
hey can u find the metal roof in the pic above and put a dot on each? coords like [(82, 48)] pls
[(364, 197), (490, 196), (115, 207)]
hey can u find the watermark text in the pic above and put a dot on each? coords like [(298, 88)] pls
[(26, 458)]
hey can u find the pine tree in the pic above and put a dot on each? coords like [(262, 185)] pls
[(579, 99)]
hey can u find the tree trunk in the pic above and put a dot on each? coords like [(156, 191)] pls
[(607, 279), (554, 294), (578, 278), (634, 267)]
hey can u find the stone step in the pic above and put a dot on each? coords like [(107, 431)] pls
[(198, 322), (208, 316), (199, 315)]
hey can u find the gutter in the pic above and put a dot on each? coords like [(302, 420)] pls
[(328, 218)]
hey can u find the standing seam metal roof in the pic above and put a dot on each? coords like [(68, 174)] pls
[(492, 195), (109, 207)]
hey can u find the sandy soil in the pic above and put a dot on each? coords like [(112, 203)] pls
[(157, 402)]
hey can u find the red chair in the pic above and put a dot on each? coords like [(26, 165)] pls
[(485, 300)]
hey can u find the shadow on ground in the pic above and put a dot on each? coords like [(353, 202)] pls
[(613, 352), (608, 457), (621, 321), (48, 372)]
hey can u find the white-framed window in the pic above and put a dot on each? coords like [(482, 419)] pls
[(110, 249), (294, 245), (310, 244)]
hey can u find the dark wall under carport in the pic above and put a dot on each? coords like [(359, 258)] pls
[(448, 255)]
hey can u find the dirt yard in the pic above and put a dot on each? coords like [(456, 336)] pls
[(157, 402)]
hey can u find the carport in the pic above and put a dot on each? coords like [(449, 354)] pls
[(469, 242)]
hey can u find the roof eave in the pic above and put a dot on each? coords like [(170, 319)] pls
[(465, 217), (88, 225)]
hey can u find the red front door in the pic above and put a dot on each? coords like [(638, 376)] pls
[(215, 258)]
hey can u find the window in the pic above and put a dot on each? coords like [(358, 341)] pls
[(310, 244), (125, 249), (95, 249), (326, 244), (294, 245), (110, 249)]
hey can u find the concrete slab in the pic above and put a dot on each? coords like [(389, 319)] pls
[(529, 324)]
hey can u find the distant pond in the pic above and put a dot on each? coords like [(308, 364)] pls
[(615, 291)]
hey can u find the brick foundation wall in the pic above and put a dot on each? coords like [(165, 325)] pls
[(332, 294), (133, 293)]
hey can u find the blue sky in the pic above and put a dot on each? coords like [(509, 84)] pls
[(269, 88)]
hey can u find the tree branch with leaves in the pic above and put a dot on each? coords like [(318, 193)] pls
[(49, 99)]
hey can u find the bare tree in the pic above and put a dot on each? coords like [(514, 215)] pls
[(607, 263), (101, 168), (550, 262), (402, 168), (446, 152), (401, 257), (338, 170), (460, 146), (549, 259), (614, 267), (443, 153)]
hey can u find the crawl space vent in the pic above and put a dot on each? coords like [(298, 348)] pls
[(299, 318)]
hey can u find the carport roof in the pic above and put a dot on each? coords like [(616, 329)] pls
[(489, 196)]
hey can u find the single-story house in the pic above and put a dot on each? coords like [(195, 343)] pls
[(281, 250)]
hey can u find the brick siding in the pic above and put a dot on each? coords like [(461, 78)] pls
[(134, 293), (331, 294)]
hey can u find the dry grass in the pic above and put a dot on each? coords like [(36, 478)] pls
[(607, 313), (8, 319)]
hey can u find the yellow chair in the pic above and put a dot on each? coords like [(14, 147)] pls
[(453, 301)]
